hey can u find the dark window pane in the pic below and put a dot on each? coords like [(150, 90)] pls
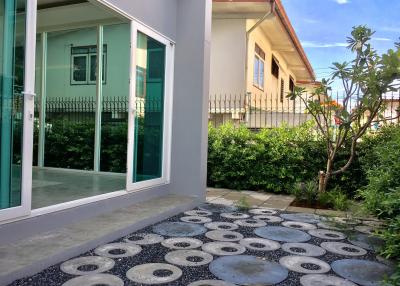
[(79, 74)]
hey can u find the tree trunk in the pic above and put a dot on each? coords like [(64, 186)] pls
[(322, 182)]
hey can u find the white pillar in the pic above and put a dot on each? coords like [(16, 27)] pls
[(43, 96), (99, 98)]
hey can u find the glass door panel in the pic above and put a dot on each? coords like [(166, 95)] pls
[(12, 58), (149, 107)]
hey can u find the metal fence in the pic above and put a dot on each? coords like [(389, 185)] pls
[(261, 111)]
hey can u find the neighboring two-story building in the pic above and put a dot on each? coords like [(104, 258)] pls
[(256, 60)]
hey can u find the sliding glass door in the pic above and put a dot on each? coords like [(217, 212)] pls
[(16, 108), (149, 119)]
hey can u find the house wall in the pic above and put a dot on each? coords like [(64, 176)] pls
[(228, 50), (270, 95)]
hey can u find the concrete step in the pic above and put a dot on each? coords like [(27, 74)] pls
[(31, 255)]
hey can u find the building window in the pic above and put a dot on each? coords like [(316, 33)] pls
[(275, 67), (291, 84), (282, 89), (258, 72), (83, 65)]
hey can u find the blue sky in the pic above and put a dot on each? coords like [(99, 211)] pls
[(323, 25)]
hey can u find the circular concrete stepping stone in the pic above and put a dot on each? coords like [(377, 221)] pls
[(188, 257), (268, 218), (324, 280), (263, 211), (305, 264), (223, 248), (260, 244), (95, 280), (347, 221), (154, 273), (87, 265), (217, 208), (280, 233), (211, 283), (299, 225), (182, 243), (327, 234), (303, 249), (235, 215), (250, 222), (118, 250), (309, 218), (221, 225), (224, 235), (248, 270), (366, 241), (365, 229), (198, 213), (179, 229), (343, 248), (363, 272), (196, 219), (144, 238)]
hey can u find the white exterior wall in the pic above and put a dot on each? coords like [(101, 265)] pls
[(228, 54)]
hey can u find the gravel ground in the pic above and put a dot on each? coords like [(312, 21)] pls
[(53, 276)]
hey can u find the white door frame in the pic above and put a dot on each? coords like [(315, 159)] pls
[(29, 93), (167, 112)]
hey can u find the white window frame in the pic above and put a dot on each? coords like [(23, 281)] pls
[(260, 76), (88, 70), (167, 112)]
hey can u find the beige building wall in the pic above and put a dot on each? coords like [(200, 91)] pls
[(228, 50), (270, 95)]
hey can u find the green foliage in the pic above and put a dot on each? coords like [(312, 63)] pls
[(242, 204), (271, 160)]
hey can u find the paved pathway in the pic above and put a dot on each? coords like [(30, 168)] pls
[(216, 245)]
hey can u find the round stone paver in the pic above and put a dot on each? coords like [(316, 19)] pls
[(250, 222), (154, 273), (299, 225), (188, 257), (182, 243), (179, 229), (347, 221), (324, 280), (211, 283), (223, 248), (366, 241), (217, 208), (343, 248), (305, 264), (87, 265), (235, 215), (198, 213), (221, 225), (280, 233), (309, 218), (327, 234), (365, 229), (144, 238), (362, 272), (95, 280), (332, 225), (263, 211), (196, 219), (224, 235), (248, 270), (268, 218), (303, 249), (118, 250), (260, 244)]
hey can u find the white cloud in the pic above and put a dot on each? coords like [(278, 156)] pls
[(311, 44), (342, 1), (380, 39)]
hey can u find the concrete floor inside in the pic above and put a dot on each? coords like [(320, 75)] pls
[(55, 186)]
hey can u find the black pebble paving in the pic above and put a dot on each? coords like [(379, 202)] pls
[(155, 253)]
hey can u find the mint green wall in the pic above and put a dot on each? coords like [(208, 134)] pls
[(117, 39)]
